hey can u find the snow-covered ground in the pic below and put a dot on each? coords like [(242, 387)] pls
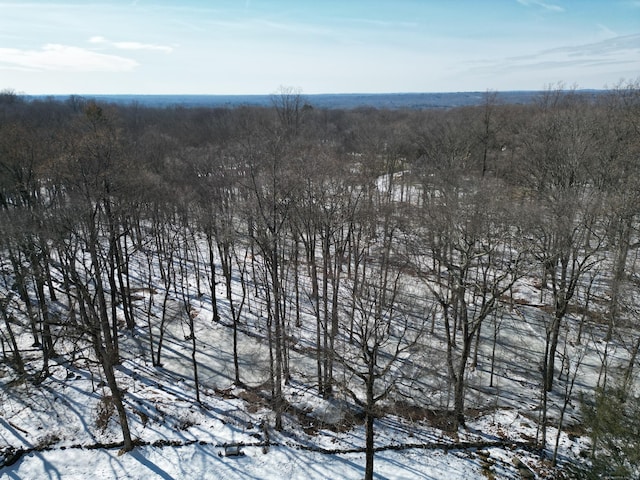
[(202, 462), (56, 430), (53, 429), (65, 428)]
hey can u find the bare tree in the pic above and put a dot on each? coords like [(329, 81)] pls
[(270, 191), (466, 243), (290, 108), (86, 251), (567, 238), (382, 337)]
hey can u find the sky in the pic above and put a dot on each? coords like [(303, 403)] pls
[(242, 47)]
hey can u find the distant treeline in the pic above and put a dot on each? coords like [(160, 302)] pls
[(417, 101)]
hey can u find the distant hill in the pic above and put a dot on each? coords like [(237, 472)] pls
[(418, 101)]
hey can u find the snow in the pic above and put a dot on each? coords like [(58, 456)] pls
[(60, 427), (203, 462), (180, 439)]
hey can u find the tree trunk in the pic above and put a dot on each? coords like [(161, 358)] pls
[(17, 358), (315, 299), (628, 373), (369, 446), (369, 418), (194, 361), (212, 283), (111, 273), (226, 262), (458, 402), (553, 346), (620, 263), (278, 400), (325, 310), (122, 263), (107, 365), (99, 331), (493, 349), (24, 296), (47, 339), (542, 424)]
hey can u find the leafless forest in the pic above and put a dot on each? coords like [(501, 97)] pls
[(428, 263)]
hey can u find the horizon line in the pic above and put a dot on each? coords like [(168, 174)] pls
[(302, 94)]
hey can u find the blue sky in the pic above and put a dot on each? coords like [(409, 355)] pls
[(318, 46)]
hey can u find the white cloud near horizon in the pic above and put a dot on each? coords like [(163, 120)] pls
[(59, 57), (131, 45)]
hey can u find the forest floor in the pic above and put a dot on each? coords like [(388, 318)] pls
[(66, 428)]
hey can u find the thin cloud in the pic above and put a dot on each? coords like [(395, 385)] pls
[(621, 50), (131, 45), (53, 57), (606, 31), (381, 23), (624, 45), (295, 28), (538, 3)]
